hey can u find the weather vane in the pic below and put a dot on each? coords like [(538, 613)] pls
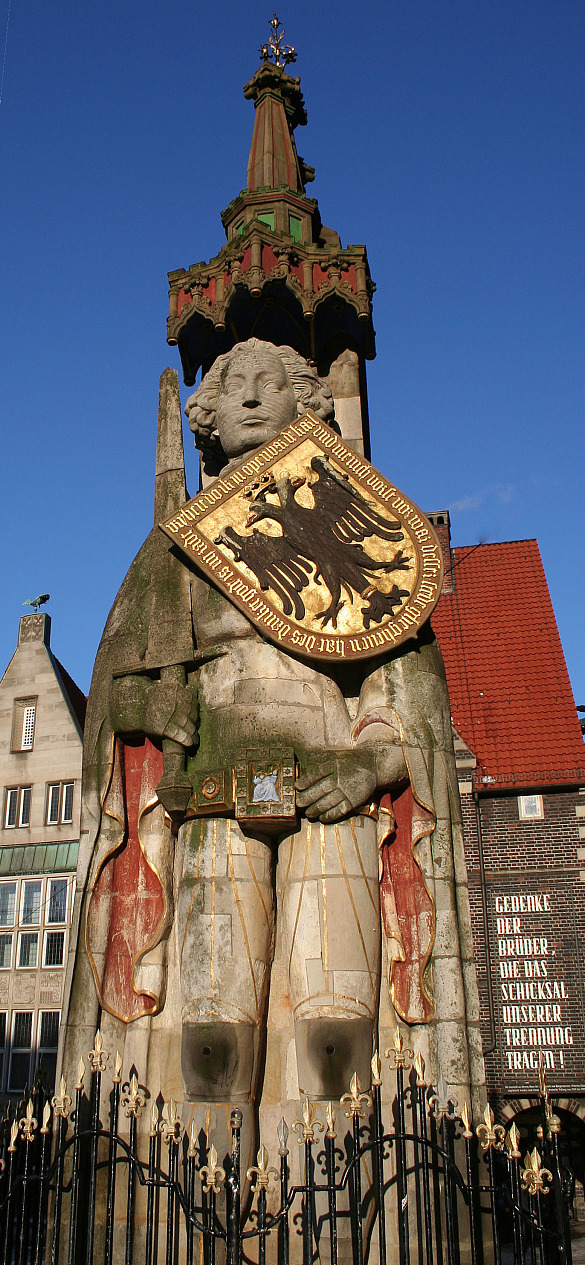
[(275, 51), (37, 601)]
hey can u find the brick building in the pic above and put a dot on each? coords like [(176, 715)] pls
[(41, 729), (521, 769)]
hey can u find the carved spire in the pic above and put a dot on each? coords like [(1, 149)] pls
[(278, 102), (282, 275)]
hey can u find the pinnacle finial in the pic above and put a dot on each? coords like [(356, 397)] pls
[(275, 51)]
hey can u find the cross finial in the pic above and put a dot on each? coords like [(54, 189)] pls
[(275, 51)]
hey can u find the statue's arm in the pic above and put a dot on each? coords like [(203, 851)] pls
[(337, 782), (159, 709)]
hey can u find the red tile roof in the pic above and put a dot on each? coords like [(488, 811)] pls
[(511, 697)]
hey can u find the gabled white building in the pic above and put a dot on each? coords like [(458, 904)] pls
[(41, 731)]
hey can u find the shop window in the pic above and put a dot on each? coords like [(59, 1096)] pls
[(20, 1052), (47, 1044), (3, 1018), (23, 724)]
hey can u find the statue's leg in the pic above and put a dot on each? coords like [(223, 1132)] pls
[(328, 882), (225, 933)]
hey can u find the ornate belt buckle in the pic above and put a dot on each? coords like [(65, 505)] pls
[(265, 786), (212, 793)]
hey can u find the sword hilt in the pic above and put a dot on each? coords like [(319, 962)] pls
[(174, 789)]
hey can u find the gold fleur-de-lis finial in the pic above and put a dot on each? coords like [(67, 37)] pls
[(172, 1129), (275, 50), (330, 1118), (376, 1067), (98, 1057), (61, 1103), (512, 1142), (282, 1132), (133, 1101), (27, 1123), (13, 1136), (261, 1171), (535, 1179), (466, 1121), (306, 1127), (419, 1067), (192, 1148), (490, 1134), (553, 1123), (212, 1174), (357, 1103), (153, 1121), (441, 1100), (400, 1053)]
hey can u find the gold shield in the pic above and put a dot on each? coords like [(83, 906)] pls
[(316, 547)]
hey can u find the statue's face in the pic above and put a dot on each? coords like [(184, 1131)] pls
[(256, 402)]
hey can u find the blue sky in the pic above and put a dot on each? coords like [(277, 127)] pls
[(447, 136)]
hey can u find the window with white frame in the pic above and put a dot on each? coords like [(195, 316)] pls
[(33, 921), (30, 911), (7, 904), (5, 950), (33, 1044), (60, 803), (17, 807), (23, 724), (20, 1050), (28, 950), (56, 909), (530, 807), (54, 954)]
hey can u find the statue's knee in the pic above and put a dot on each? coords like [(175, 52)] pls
[(217, 1060), (329, 1051)]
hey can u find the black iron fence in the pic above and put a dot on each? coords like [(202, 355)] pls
[(433, 1188)]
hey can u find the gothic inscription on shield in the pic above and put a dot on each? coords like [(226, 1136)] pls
[(320, 551)]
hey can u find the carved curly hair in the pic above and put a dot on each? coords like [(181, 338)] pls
[(312, 393)]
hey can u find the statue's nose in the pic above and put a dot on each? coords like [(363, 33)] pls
[(250, 391)]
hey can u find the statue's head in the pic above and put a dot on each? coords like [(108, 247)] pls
[(250, 395)]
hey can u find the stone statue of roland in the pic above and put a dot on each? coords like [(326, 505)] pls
[(181, 924)]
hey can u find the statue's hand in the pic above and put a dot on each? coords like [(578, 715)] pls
[(335, 784), (161, 709), (171, 712)]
